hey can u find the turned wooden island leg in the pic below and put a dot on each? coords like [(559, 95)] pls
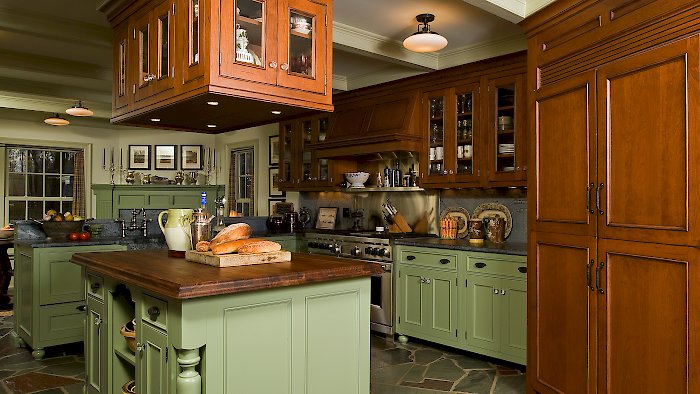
[(188, 380)]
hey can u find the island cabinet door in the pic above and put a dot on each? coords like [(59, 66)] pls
[(95, 348), (153, 361)]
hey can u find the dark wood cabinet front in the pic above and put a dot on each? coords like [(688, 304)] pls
[(505, 130)]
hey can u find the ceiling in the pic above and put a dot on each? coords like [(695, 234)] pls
[(55, 52)]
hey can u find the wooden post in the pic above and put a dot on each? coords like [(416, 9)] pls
[(188, 380)]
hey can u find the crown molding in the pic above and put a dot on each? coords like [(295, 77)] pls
[(533, 6), (483, 50), (380, 76), (340, 82), (510, 10)]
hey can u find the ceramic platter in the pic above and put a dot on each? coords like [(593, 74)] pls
[(486, 210), (462, 216)]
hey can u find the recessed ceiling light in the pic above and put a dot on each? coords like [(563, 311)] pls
[(155, 119), (56, 121), (211, 126), (213, 102), (276, 112)]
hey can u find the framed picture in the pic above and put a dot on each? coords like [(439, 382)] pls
[(274, 150), (191, 157), (326, 218), (274, 191), (166, 157), (272, 203), (139, 157)]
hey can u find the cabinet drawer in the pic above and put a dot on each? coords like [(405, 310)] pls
[(427, 259), (60, 324), (154, 311), (95, 286), (515, 269)]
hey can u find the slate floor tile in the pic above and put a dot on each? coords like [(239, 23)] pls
[(426, 356), (442, 385), (466, 362), (510, 384), (391, 374), (36, 381), (415, 374), (478, 382), (393, 356), (444, 369)]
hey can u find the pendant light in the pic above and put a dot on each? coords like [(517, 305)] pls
[(425, 40), (79, 110), (56, 121)]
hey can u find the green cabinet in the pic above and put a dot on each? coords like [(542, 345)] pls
[(469, 300), (152, 348), (288, 242), (95, 347), (109, 199), (49, 295)]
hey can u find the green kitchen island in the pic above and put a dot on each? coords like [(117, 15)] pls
[(295, 327)]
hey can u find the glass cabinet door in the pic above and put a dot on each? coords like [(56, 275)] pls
[(193, 17), (286, 141), (505, 140), (322, 165), (142, 50), (122, 85), (436, 136), (163, 48), (465, 149), (302, 45), (307, 136), (248, 34)]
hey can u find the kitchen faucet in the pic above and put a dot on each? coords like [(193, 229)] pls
[(133, 224)]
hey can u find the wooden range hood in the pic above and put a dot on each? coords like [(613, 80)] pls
[(365, 124)]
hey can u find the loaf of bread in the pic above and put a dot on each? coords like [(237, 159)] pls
[(202, 246), (261, 246), (232, 246), (233, 232)]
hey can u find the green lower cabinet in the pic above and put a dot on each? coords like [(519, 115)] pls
[(514, 318), (428, 304), (288, 242), (482, 312), (153, 373), (95, 347)]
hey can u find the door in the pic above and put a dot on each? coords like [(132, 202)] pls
[(562, 306), (505, 130), (466, 150), (248, 40), (435, 125), (96, 348), (163, 47), (482, 309), (565, 157), (121, 88), (142, 56), (153, 363), (192, 39), (441, 304), (59, 280), (287, 160), (647, 318), (648, 160), (513, 311), (412, 310), (303, 45)]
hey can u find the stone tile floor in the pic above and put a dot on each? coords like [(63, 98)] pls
[(420, 368), (413, 368)]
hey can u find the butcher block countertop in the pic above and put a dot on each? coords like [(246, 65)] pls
[(176, 278)]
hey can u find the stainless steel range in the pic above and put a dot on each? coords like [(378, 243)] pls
[(374, 248)]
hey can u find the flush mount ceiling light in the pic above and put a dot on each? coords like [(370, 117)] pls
[(56, 121), (425, 40), (79, 110)]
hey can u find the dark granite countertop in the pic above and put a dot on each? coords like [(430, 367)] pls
[(512, 248), (133, 243)]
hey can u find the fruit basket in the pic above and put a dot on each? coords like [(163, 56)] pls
[(60, 230)]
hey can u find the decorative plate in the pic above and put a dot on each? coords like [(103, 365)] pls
[(488, 209), (462, 216)]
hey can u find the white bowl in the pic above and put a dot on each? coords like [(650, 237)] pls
[(357, 179)]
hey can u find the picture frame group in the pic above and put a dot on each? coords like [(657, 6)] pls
[(275, 195), (166, 157)]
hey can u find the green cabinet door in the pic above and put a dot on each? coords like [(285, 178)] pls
[(59, 279), (482, 306), (96, 348), (153, 365), (410, 305), (514, 318), (442, 304)]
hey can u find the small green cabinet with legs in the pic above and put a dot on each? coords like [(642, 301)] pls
[(49, 295), (469, 300)]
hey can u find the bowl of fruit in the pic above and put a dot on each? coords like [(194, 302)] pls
[(58, 225), (7, 232)]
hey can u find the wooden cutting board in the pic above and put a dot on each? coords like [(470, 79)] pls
[(235, 260)]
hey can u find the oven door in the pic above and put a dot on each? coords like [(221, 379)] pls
[(381, 300)]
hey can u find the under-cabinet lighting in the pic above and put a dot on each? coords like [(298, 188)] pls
[(213, 102), (211, 126), (155, 119), (276, 112)]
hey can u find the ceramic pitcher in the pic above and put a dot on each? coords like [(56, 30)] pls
[(177, 230)]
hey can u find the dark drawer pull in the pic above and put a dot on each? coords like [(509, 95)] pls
[(94, 286), (444, 261), (479, 265), (153, 312), (410, 257), (81, 308), (522, 269)]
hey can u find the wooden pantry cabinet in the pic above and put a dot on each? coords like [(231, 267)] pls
[(173, 58), (614, 90), (474, 130)]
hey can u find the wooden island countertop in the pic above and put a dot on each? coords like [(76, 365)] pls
[(180, 279)]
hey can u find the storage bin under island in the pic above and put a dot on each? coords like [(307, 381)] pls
[(293, 327)]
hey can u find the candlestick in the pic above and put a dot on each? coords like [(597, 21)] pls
[(104, 158), (111, 160), (215, 159), (120, 157)]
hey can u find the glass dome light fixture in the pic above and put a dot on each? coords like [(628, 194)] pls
[(425, 40), (56, 121), (79, 110)]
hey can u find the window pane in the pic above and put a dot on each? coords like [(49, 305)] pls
[(67, 186), (52, 161), (68, 162), (35, 161), (17, 210), (55, 205), (36, 210), (35, 186), (15, 184), (15, 160), (53, 186), (249, 164), (164, 21), (67, 206)]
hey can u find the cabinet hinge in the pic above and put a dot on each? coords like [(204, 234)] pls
[(173, 72), (456, 336), (134, 34), (399, 319), (173, 8), (219, 58), (466, 282), (166, 354), (326, 16), (133, 88)]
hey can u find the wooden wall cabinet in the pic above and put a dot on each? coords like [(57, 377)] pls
[(614, 140), (172, 58)]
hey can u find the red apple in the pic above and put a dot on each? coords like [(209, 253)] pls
[(73, 236), (84, 236)]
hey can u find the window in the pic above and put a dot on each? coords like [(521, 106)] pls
[(37, 180), (242, 181)]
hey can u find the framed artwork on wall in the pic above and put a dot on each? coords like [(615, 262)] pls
[(273, 190), (274, 148), (165, 157), (139, 157), (191, 157)]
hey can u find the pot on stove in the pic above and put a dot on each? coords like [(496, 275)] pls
[(275, 223)]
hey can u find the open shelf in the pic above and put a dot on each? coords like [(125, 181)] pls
[(384, 189), (126, 355)]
